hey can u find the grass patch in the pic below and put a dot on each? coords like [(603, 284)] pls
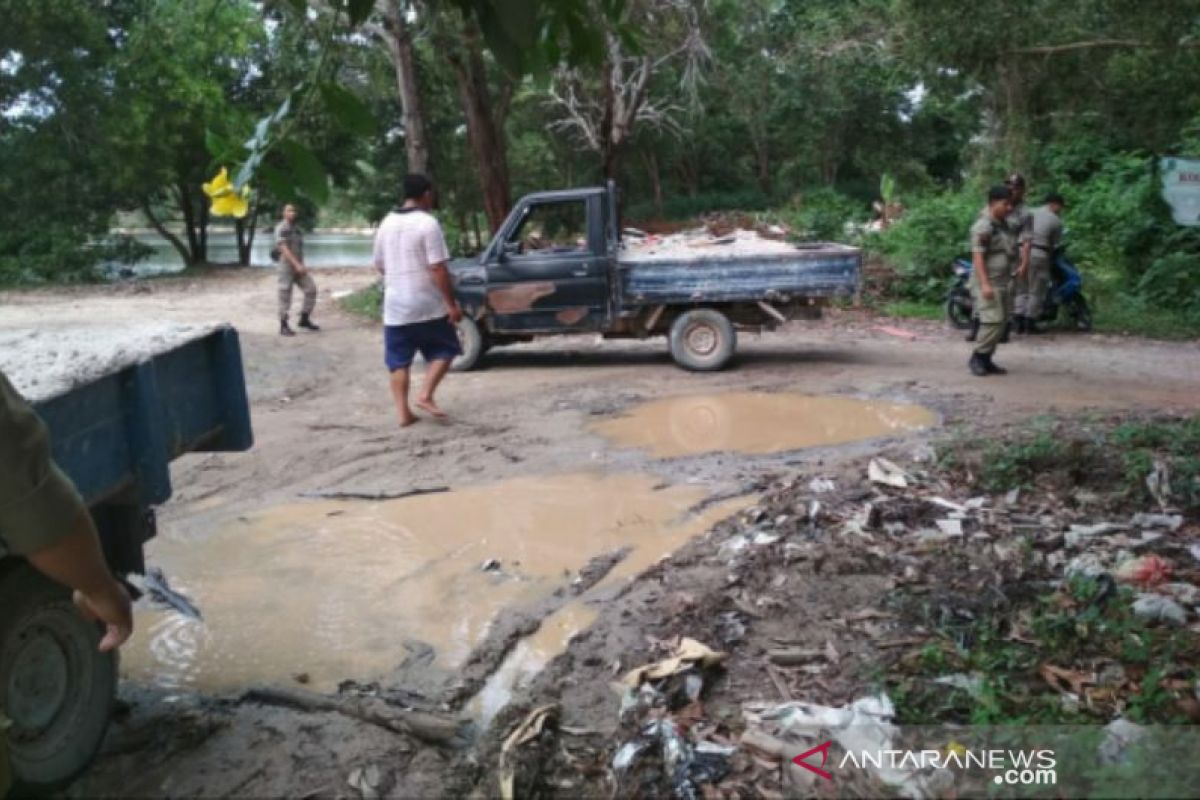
[(366, 303), (1133, 318), (1057, 456), (914, 309)]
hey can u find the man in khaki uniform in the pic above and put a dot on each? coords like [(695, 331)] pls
[(1046, 239), (992, 251), (1020, 223), (43, 519), (289, 246)]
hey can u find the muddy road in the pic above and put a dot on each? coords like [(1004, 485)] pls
[(441, 567)]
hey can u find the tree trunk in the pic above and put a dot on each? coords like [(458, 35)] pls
[(246, 229), (483, 131), (655, 175), (478, 233), (162, 231), (397, 37), (762, 158)]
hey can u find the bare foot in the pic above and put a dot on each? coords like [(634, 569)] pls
[(409, 421), (431, 407)]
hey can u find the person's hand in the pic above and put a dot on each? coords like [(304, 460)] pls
[(112, 607), (456, 314), (1021, 270), (988, 292)]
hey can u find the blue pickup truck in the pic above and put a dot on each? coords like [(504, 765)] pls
[(562, 264), (115, 436)]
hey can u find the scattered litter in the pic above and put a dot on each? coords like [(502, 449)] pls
[(822, 485), (880, 470), (366, 780), (688, 653), (491, 565), (1145, 571), (529, 729), (155, 586), (762, 539), (1159, 483), (972, 684), (340, 294), (1086, 565), (1118, 736), (899, 333), (864, 726), (1194, 549), (687, 767), (1013, 496), (1171, 522), (1158, 607), (1077, 534), (951, 527)]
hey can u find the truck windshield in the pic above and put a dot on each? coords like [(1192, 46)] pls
[(552, 227)]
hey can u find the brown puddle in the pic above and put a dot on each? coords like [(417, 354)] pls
[(752, 422), (332, 590)]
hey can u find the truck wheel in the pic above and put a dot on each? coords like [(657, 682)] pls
[(474, 344), (702, 340), (56, 688)]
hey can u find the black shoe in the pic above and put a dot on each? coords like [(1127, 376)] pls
[(308, 324), (285, 329), (977, 365), (974, 334), (1031, 326), (992, 367), (1019, 324), (1004, 335)]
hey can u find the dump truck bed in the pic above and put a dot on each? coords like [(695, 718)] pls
[(786, 273)]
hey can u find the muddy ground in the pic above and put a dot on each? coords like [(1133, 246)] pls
[(323, 424)]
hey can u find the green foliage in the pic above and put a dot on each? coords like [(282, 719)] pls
[(823, 215), (687, 207), (923, 244), (366, 303)]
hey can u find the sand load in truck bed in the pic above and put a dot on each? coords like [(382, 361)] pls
[(54, 358), (701, 244)]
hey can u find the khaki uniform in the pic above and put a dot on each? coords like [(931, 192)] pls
[(997, 242), (293, 237), (1020, 225), (1047, 237), (38, 502)]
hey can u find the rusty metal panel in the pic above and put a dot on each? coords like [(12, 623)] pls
[(817, 273)]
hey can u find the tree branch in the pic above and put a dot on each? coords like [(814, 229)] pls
[(162, 231), (1101, 44)]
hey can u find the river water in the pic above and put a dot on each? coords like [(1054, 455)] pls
[(320, 250)]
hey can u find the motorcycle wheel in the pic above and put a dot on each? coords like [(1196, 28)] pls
[(1080, 314), (959, 308)]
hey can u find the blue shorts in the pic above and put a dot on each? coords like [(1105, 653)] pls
[(435, 339)]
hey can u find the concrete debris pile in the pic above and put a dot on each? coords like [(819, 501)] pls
[(703, 243)]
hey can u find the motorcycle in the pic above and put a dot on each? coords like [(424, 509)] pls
[(1065, 294)]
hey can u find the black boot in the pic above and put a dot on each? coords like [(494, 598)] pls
[(978, 365), (992, 367), (974, 334), (1004, 335), (284, 328), (308, 324), (1018, 324), (1031, 326)]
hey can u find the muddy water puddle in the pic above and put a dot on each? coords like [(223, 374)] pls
[(758, 423), (333, 590)]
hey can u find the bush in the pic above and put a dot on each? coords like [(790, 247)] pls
[(922, 244), (683, 207), (823, 215), (1173, 281)]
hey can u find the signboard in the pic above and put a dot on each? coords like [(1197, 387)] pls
[(1181, 189)]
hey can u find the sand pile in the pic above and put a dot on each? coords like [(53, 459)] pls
[(702, 243)]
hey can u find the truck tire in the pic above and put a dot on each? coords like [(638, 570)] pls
[(56, 688), (702, 340), (474, 344)]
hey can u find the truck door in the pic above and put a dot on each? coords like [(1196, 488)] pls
[(551, 273)]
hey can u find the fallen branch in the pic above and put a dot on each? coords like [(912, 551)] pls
[(373, 495), (430, 728)]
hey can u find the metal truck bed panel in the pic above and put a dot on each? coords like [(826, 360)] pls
[(828, 271), (121, 431)]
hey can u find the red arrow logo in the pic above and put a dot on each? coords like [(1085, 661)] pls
[(823, 749)]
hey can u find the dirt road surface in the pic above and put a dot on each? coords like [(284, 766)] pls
[(324, 428)]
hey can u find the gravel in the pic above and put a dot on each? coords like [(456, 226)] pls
[(54, 358)]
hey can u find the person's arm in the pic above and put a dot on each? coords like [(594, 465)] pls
[(438, 255), (287, 253), (1026, 244), (43, 518), (985, 283), (76, 561), (377, 253)]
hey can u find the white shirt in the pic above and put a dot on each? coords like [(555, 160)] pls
[(408, 245)]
